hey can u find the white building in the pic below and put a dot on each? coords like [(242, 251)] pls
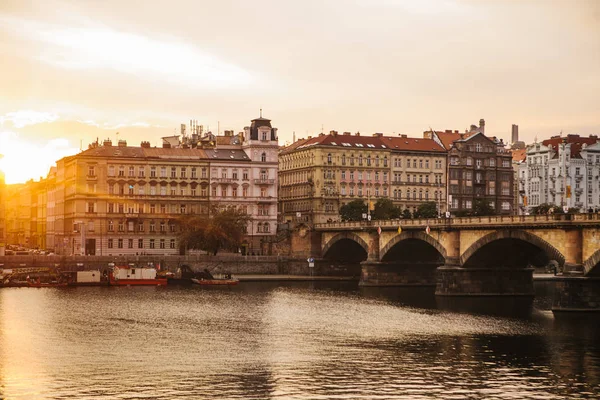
[(562, 171)]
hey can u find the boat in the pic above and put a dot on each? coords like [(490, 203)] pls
[(216, 281), (130, 275), (39, 284), (86, 278)]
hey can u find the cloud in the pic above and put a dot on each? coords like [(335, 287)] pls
[(95, 46), (23, 118)]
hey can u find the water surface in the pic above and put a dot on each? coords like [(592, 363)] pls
[(291, 340)]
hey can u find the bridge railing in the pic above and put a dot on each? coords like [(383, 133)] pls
[(545, 219)]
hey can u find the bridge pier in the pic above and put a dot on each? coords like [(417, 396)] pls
[(576, 294), (390, 273), (457, 281)]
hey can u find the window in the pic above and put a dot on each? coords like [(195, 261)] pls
[(163, 172), (131, 171), (263, 157), (140, 243), (245, 191), (152, 226), (172, 244), (110, 243), (141, 172), (163, 226), (506, 163), (162, 243), (468, 204), (130, 243), (121, 170), (505, 205), (152, 172), (141, 226), (329, 158), (91, 207), (492, 162), (120, 243), (91, 171), (478, 147), (152, 243), (264, 136), (130, 226), (183, 172), (121, 226)]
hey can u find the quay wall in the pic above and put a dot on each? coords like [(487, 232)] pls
[(221, 263)]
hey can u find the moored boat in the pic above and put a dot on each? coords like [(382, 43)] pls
[(124, 275), (230, 281)]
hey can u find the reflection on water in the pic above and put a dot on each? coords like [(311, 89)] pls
[(291, 340)]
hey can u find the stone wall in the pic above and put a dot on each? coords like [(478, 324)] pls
[(577, 294), (454, 281)]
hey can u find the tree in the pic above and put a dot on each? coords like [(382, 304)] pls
[(385, 209), (543, 209), (406, 214), (427, 210), (353, 211), (482, 207), (222, 229)]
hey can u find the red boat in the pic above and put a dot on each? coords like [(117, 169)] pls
[(130, 275)]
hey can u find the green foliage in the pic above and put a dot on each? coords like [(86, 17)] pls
[(482, 208), (406, 214), (222, 229), (353, 211), (385, 209), (427, 210)]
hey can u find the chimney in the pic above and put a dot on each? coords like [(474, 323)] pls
[(448, 131), (378, 134), (347, 133), (333, 133), (145, 145), (456, 131), (482, 125), (403, 136), (107, 143), (357, 134), (122, 143)]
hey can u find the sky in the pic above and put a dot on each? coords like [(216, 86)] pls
[(73, 71)]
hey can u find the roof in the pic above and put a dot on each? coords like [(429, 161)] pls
[(412, 144), (576, 142), (223, 154), (376, 142), (519, 155), (142, 152), (447, 138)]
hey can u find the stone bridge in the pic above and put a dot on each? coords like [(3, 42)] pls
[(473, 255)]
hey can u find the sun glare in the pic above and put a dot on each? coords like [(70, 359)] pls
[(24, 160)]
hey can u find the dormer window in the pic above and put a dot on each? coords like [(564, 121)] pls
[(264, 135)]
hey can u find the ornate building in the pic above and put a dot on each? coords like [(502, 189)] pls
[(320, 174), (112, 200), (563, 171)]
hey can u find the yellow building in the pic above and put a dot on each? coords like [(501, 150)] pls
[(418, 172), (112, 200), (320, 174)]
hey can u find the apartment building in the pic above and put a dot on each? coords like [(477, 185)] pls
[(563, 171), (320, 174)]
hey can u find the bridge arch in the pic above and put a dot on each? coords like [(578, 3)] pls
[(345, 236), (551, 251), (592, 262), (413, 234)]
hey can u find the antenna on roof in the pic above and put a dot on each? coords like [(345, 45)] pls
[(294, 137)]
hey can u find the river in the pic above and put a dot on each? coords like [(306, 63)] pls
[(291, 341)]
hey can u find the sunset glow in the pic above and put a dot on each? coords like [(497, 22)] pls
[(24, 160)]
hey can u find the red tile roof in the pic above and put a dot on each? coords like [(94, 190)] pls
[(519, 155), (374, 142), (576, 142), (412, 144)]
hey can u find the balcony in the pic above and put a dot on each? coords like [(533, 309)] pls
[(264, 181), (92, 177)]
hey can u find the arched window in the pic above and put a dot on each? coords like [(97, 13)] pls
[(259, 227), (263, 157), (266, 227), (329, 158)]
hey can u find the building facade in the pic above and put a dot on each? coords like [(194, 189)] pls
[(562, 171), (120, 199), (318, 175), (480, 168)]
